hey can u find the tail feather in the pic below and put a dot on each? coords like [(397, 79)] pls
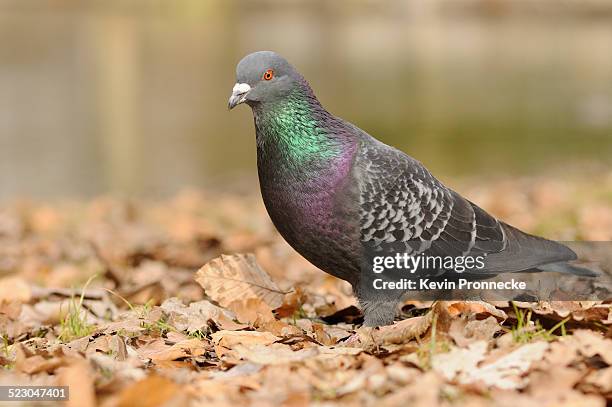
[(567, 268)]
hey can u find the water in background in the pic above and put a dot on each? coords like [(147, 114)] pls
[(130, 96)]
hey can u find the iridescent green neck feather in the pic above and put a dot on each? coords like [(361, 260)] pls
[(295, 128)]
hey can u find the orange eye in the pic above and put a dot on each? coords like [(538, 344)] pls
[(268, 75)]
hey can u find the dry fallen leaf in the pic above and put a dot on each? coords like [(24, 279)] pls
[(253, 311), (14, 289), (293, 355), (229, 339), (590, 343), (227, 344), (78, 376), (400, 332), (32, 362), (504, 373), (159, 350), (476, 308), (238, 277), (291, 303), (578, 311), (198, 315), (464, 331), (152, 391), (273, 354), (423, 392), (601, 380)]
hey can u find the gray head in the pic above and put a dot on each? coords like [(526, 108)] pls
[(263, 76)]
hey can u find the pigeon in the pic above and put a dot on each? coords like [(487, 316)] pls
[(338, 196)]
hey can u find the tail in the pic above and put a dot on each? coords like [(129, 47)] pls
[(567, 268)]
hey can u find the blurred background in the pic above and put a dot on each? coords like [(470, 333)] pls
[(130, 97)]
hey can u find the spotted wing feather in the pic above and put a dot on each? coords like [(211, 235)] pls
[(404, 206)]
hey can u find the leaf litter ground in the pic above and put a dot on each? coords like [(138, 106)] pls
[(197, 301)]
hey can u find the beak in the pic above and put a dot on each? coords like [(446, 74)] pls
[(239, 93)]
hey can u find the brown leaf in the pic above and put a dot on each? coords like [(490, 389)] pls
[(78, 376), (504, 373), (579, 311), (11, 325), (279, 328), (291, 303), (560, 378), (238, 277), (158, 350), (600, 380), (152, 391), (31, 363), (273, 354), (229, 339), (423, 392), (14, 289), (253, 311), (399, 332), (228, 343), (198, 315), (10, 309), (479, 309), (590, 343), (464, 332), (328, 334)]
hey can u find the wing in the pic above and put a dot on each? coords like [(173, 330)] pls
[(405, 208)]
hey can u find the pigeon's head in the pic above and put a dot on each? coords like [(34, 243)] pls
[(263, 76)]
